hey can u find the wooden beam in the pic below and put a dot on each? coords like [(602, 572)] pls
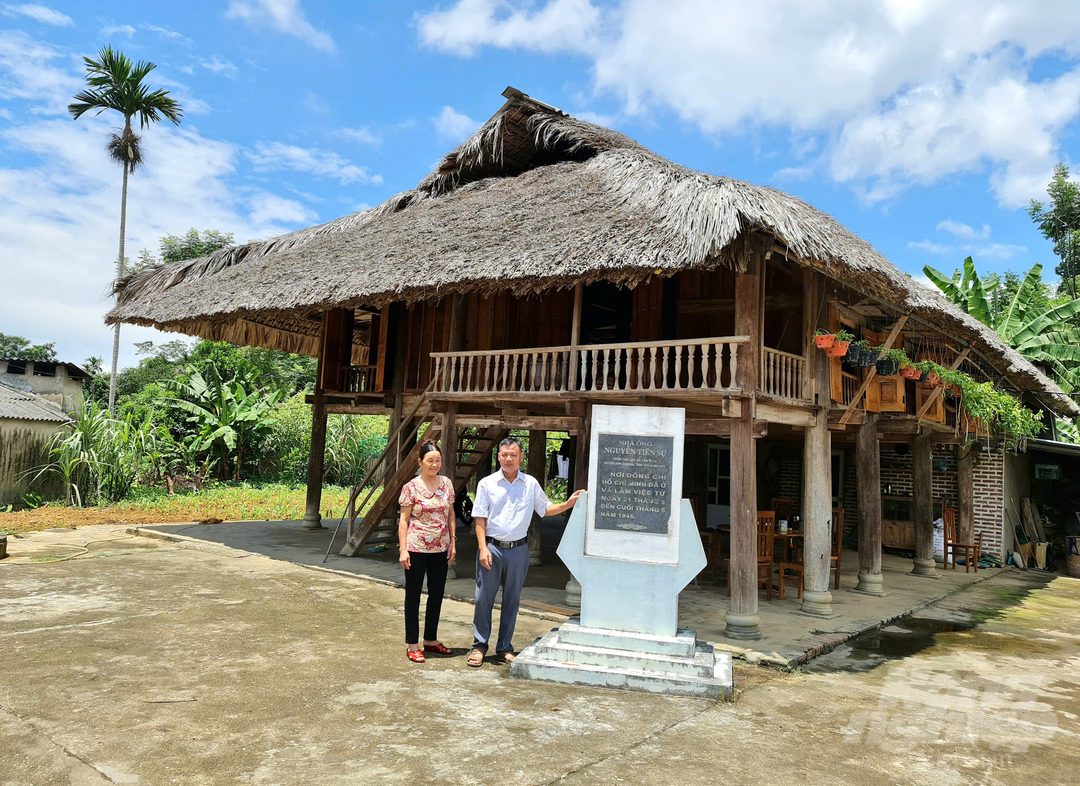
[(525, 422), (896, 328), (575, 334), (785, 415), (935, 394), (721, 427)]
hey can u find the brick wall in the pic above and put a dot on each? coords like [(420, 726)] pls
[(989, 480)]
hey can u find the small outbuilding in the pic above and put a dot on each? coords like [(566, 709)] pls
[(27, 422)]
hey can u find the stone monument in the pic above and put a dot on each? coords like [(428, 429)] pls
[(633, 545)]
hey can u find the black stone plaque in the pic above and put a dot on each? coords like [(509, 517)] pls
[(634, 478)]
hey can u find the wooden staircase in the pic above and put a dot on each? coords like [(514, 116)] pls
[(386, 477)]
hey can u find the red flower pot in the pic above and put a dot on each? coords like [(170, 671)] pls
[(825, 341), (933, 379), (910, 372), (838, 350)]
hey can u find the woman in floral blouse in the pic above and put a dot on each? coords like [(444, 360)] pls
[(427, 547)]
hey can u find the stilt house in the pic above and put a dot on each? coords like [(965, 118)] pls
[(549, 264)]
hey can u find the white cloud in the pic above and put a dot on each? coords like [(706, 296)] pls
[(362, 136), (454, 125), (323, 163), (793, 173), (967, 242), (963, 231), (59, 205), (904, 92), (165, 32), (39, 13), (285, 16), (607, 121), (267, 208), (114, 29), (221, 67), (561, 25)]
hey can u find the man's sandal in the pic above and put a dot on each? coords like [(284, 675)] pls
[(475, 659), (507, 656)]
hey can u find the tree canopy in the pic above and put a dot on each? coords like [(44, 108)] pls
[(19, 348)]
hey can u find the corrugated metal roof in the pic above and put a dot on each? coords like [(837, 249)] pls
[(19, 405)]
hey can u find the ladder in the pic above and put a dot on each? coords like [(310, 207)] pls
[(380, 523)]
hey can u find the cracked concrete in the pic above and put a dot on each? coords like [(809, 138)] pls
[(143, 662)]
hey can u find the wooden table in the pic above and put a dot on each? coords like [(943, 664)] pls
[(794, 541)]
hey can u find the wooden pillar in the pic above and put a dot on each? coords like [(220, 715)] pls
[(868, 480), (923, 506), (742, 621), (965, 516), (579, 476), (537, 467), (817, 472), (449, 444), (575, 336), (317, 452)]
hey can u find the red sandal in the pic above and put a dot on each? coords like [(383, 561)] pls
[(438, 647), (416, 656)]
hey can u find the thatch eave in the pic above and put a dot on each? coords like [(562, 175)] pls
[(534, 200)]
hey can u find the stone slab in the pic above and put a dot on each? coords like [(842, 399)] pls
[(702, 664), (530, 667), (682, 644)]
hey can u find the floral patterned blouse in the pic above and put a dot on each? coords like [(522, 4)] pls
[(429, 523)]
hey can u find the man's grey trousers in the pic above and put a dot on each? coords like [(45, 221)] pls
[(508, 568)]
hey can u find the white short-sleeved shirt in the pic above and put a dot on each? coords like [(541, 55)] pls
[(508, 507)]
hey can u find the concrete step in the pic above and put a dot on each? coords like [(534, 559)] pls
[(551, 647)]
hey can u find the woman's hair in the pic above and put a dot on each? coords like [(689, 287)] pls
[(427, 447)]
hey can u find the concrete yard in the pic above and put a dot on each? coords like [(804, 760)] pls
[(149, 661), (788, 636)]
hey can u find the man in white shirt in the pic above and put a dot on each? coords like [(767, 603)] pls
[(503, 511)]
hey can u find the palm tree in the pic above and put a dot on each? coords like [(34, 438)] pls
[(114, 82)]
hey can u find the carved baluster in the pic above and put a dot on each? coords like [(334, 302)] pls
[(583, 357), (664, 352)]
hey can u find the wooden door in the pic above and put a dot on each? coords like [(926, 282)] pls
[(648, 311), (936, 412)]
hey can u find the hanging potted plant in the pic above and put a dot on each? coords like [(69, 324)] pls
[(823, 339), (889, 363), (926, 368), (909, 371), (871, 355), (841, 345), (858, 352)]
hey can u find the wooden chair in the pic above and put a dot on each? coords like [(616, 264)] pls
[(972, 551), (766, 537), (785, 508), (796, 568), (837, 543)]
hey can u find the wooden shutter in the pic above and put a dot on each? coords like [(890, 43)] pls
[(886, 394), (337, 347), (936, 411)]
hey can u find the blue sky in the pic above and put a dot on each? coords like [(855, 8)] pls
[(925, 127)]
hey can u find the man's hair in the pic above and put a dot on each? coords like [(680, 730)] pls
[(508, 441)]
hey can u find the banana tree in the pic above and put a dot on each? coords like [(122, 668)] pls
[(966, 289), (227, 416)]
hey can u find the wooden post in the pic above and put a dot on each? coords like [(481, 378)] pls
[(817, 476), (317, 453), (923, 505), (742, 621), (537, 467), (575, 337), (965, 516), (579, 476), (449, 440), (868, 478)]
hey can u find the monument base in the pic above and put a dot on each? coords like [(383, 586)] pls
[(677, 665)]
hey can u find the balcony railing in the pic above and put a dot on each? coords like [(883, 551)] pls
[(783, 374), (651, 366), (358, 379)]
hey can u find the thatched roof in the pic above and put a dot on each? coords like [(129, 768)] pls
[(535, 199)]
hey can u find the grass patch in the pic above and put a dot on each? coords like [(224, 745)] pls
[(246, 501)]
